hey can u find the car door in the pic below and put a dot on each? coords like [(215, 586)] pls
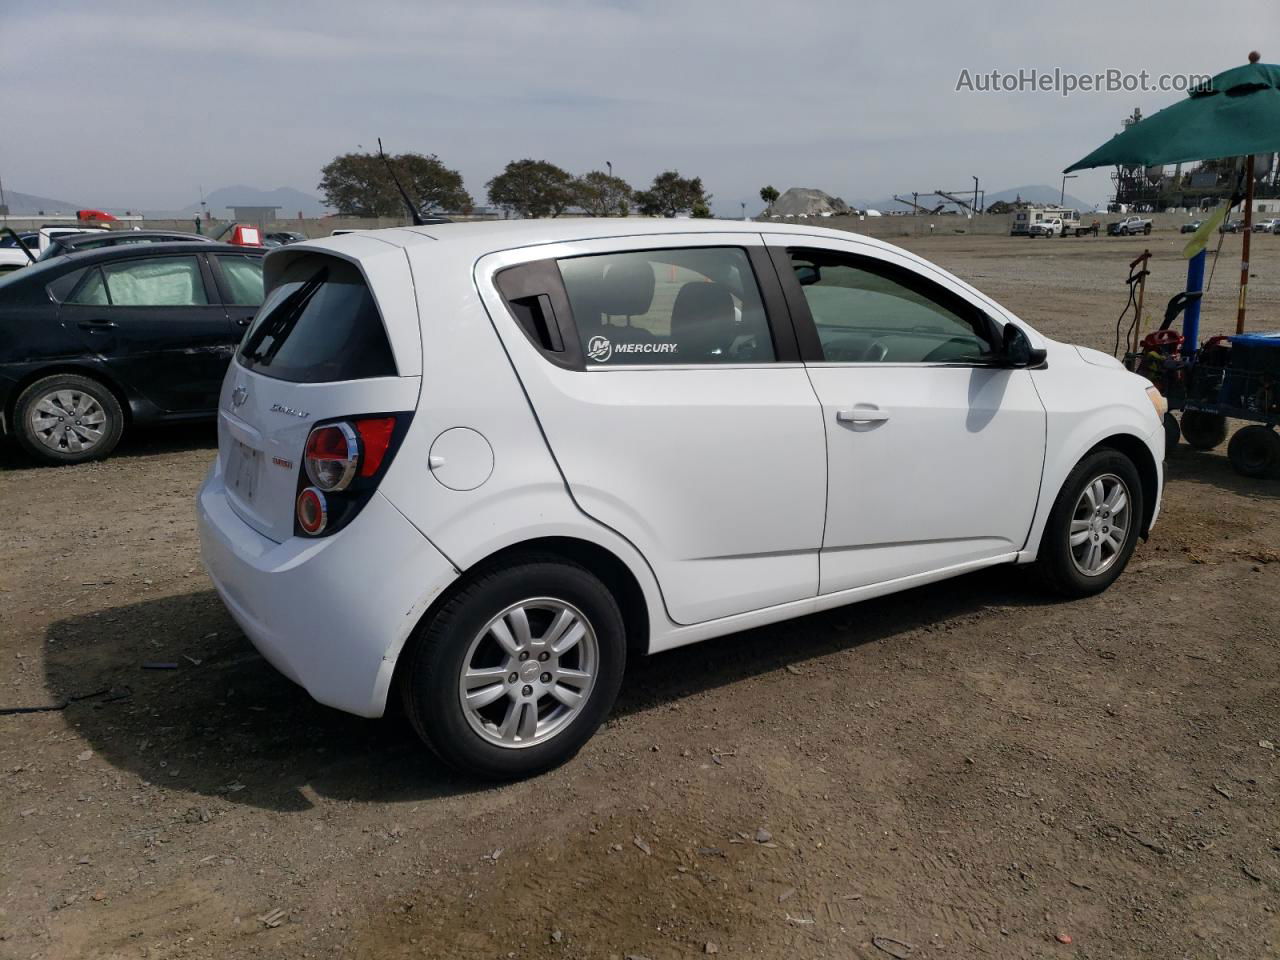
[(156, 323), (934, 454), (239, 280), (675, 406)]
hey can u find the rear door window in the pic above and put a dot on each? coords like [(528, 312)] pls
[(242, 278), (158, 282), (319, 324), (697, 305)]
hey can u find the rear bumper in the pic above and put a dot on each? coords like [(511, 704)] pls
[(331, 614)]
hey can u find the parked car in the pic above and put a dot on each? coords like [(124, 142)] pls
[(1129, 226), (94, 343), (1049, 227), (1190, 227), (12, 256), (79, 242), (1231, 226), (279, 238), (1267, 226), (481, 466)]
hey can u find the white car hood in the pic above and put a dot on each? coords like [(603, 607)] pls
[(1099, 359)]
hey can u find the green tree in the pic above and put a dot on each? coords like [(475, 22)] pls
[(532, 188), (672, 194), (601, 195), (701, 211), (769, 195), (359, 184)]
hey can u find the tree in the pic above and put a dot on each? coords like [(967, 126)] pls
[(359, 184), (671, 194), (532, 188), (769, 195), (601, 195), (701, 211)]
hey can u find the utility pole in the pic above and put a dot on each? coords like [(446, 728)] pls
[(609, 164), (976, 208)]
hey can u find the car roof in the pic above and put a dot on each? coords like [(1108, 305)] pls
[(74, 239), (129, 251), (486, 236)]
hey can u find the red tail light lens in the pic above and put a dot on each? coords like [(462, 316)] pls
[(375, 438), (332, 456), (313, 511)]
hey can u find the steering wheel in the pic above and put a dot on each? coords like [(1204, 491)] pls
[(875, 352)]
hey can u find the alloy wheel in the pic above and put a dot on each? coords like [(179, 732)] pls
[(529, 672), (1100, 524)]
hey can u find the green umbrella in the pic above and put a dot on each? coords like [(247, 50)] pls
[(1236, 114)]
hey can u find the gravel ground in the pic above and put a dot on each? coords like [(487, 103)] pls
[(965, 770)]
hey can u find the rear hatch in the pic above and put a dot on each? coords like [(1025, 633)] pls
[(336, 338)]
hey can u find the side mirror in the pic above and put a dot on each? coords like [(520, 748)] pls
[(1016, 350), (808, 274)]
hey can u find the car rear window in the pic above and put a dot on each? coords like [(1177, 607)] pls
[(319, 324)]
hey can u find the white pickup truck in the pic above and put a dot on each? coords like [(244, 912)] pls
[(1129, 226)]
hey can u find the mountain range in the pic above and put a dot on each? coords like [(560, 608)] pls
[(30, 205)]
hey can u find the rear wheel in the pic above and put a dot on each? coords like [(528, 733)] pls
[(68, 418), (1093, 526), (1172, 432), (1254, 450), (517, 671), (1204, 431)]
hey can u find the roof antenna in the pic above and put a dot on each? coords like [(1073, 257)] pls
[(415, 211)]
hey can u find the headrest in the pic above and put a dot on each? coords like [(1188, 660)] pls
[(701, 303), (627, 288)]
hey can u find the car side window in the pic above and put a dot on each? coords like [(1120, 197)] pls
[(92, 290), (242, 277), (158, 282), (697, 305), (869, 311)]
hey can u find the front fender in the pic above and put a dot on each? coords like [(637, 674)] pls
[(1087, 405)]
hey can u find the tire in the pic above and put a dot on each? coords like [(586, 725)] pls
[(1172, 433), (1254, 451), (485, 741), (91, 419), (1147, 229), (1203, 431), (1064, 567)]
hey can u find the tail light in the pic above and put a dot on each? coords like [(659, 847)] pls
[(342, 462)]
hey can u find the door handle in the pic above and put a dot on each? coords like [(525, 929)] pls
[(867, 414), (243, 321), (96, 325)]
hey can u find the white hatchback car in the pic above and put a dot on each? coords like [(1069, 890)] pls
[(485, 463)]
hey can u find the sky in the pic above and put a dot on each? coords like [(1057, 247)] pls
[(139, 104)]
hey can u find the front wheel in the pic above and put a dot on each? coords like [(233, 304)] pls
[(67, 418), (518, 669), (1093, 527)]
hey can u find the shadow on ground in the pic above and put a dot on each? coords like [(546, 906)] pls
[(222, 717), (143, 442)]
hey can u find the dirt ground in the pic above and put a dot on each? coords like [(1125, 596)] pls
[(965, 770)]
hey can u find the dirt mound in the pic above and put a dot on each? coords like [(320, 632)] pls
[(808, 202)]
